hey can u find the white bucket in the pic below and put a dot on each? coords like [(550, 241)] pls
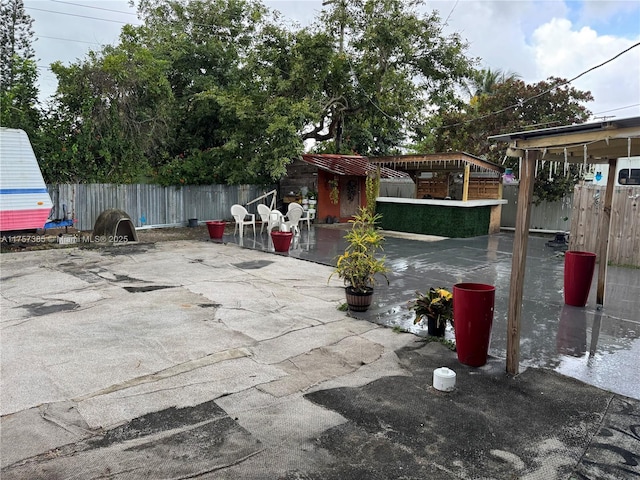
[(444, 379)]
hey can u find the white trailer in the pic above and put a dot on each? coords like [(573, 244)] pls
[(627, 173), (24, 200)]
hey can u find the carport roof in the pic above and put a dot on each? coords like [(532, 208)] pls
[(593, 142), (354, 165)]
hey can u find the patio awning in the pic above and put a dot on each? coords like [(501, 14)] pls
[(352, 165), (589, 143)]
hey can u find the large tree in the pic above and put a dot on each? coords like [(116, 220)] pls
[(237, 121), (390, 64), (18, 70), (111, 114), (512, 106), (247, 91)]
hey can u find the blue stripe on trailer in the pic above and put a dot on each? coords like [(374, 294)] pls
[(18, 191)]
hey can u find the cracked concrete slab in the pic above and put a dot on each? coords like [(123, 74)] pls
[(186, 389), (185, 442), (51, 426), (322, 364), (244, 368), (297, 342)]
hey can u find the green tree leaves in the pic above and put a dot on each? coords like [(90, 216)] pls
[(503, 104), (18, 71)]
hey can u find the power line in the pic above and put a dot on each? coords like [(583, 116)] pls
[(76, 15), (451, 12), (69, 40), (527, 100), (616, 109), (95, 8)]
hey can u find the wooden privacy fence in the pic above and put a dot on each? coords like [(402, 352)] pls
[(624, 235), (151, 205)]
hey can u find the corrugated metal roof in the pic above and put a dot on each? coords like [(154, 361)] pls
[(592, 143), (605, 125), (353, 165)]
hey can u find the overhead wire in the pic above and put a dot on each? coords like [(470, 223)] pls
[(527, 100), (75, 15), (96, 8)]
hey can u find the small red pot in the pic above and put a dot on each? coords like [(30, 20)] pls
[(216, 229), (281, 241)]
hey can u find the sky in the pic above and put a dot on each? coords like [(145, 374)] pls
[(535, 39)]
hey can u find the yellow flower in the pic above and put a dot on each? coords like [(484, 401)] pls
[(444, 293)]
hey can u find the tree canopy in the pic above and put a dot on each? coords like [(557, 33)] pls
[(223, 91), (511, 105)]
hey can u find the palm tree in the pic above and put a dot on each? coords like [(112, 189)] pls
[(485, 81)]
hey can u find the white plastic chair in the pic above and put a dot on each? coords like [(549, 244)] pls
[(307, 217), (275, 219), (239, 214), (294, 214), (264, 212)]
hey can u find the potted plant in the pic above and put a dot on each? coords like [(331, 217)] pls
[(437, 306), (358, 265)]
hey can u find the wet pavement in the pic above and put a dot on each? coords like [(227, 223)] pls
[(601, 348)]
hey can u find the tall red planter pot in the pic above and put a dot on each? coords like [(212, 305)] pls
[(473, 317), (216, 229), (578, 273)]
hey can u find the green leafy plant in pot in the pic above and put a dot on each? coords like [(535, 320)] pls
[(358, 265), (436, 305)]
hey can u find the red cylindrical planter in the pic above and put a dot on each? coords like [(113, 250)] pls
[(216, 229), (578, 273), (473, 317), (281, 241)]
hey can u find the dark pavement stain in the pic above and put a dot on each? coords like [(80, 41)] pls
[(126, 278), (172, 443), (148, 288), (400, 427), (210, 305), (155, 422), (42, 308), (253, 265), (126, 249)]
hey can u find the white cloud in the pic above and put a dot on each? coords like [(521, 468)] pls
[(562, 51)]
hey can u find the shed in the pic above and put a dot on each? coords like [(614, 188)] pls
[(340, 183), (588, 143)]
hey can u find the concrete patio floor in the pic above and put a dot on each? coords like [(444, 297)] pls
[(199, 359), (601, 348)]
